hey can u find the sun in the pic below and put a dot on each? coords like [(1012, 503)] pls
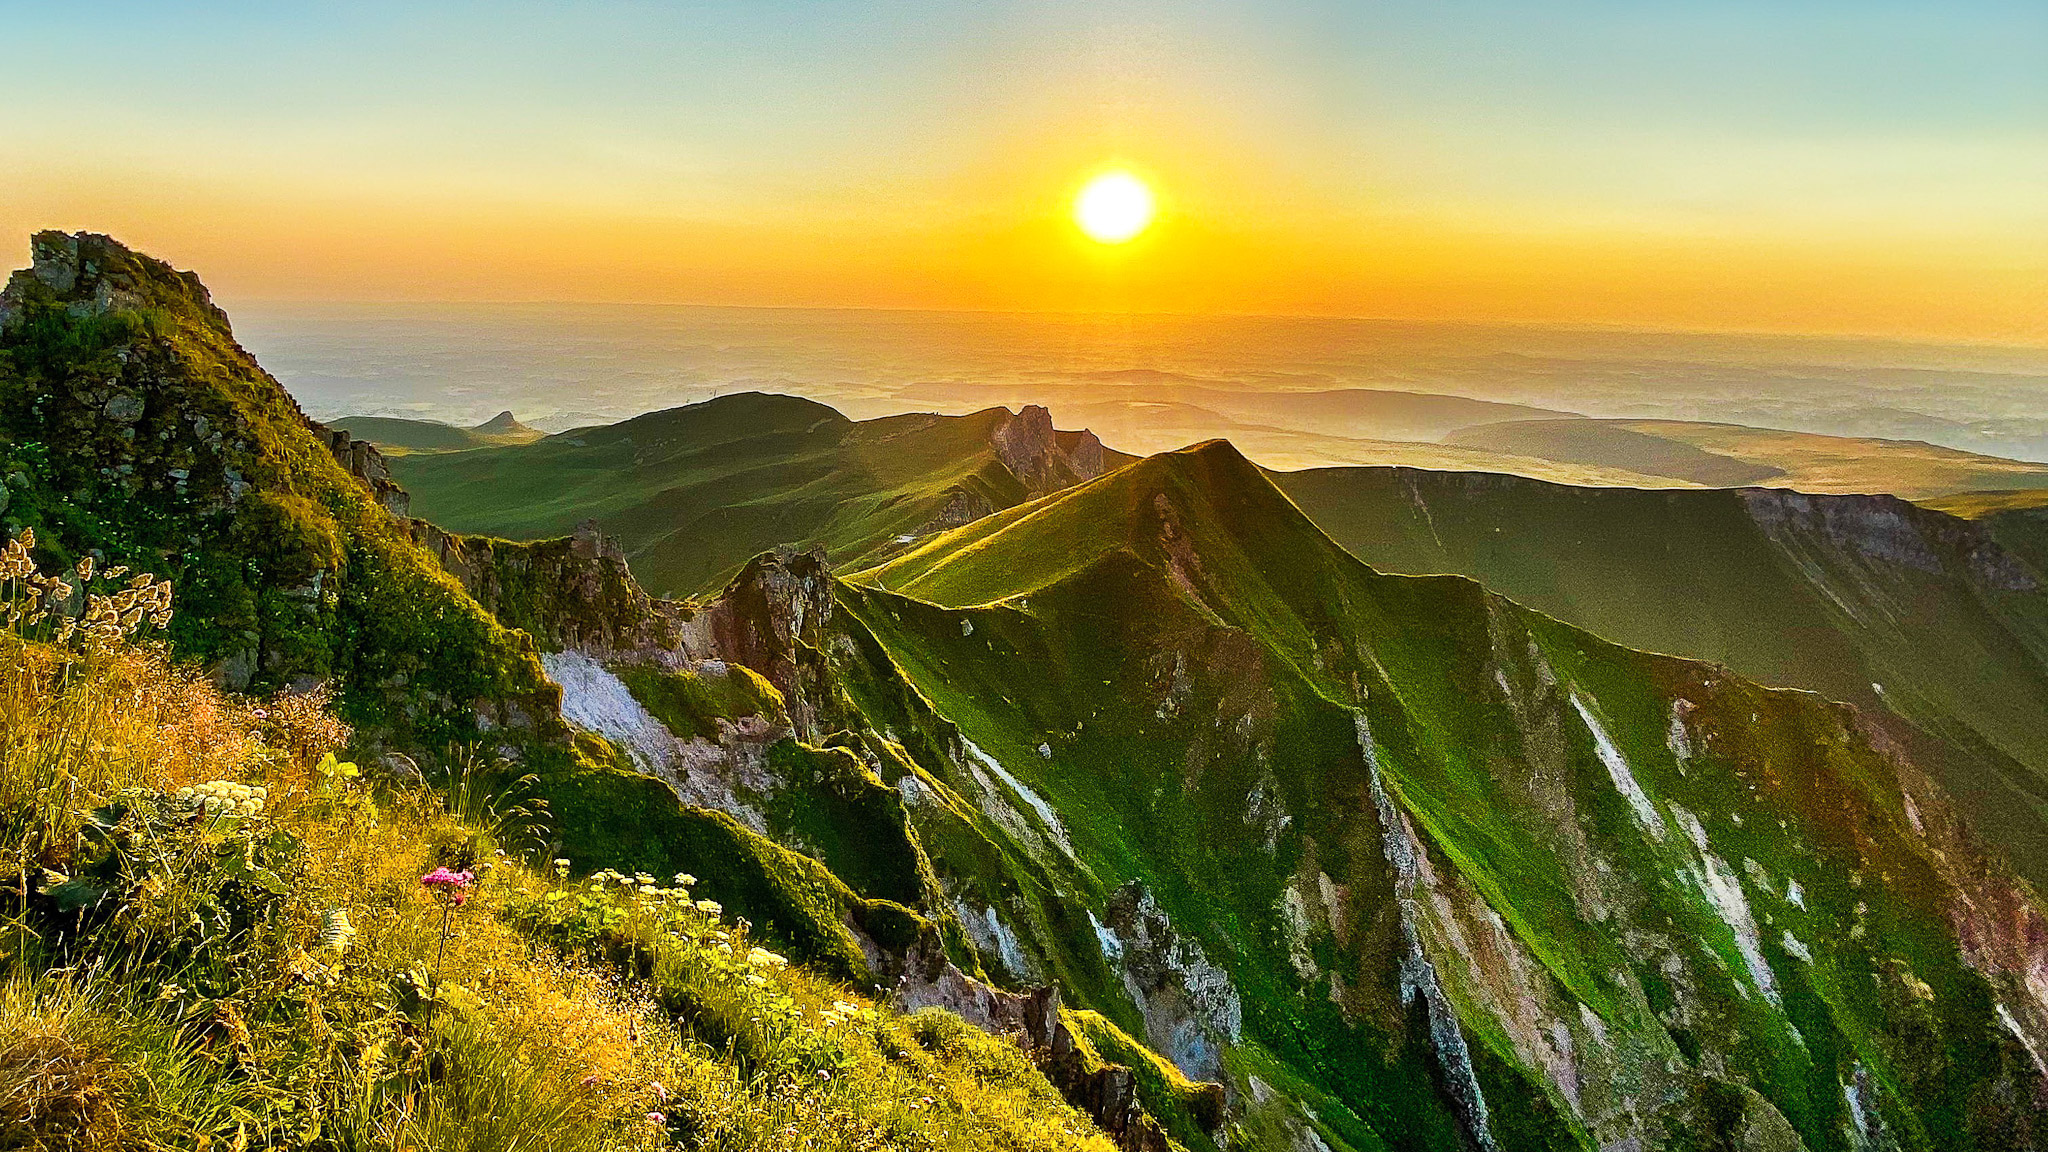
[(1113, 207)]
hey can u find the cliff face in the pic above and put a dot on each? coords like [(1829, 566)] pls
[(574, 592), (1042, 459)]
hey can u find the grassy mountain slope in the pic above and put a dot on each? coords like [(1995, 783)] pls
[(1898, 609), (1414, 867), (694, 492), (133, 429), (230, 947), (395, 436), (1729, 455)]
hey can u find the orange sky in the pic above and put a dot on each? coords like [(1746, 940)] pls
[(932, 165)]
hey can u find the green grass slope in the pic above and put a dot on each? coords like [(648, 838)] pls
[(695, 492), (1414, 867), (1900, 610)]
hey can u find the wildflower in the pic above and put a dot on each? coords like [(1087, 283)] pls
[(657, 1119), (824, 1075), (218, 798), (684, 880), (590, 1081), (660, 1093), (561, 869), (710, 907), (762, 957), (451, 888)]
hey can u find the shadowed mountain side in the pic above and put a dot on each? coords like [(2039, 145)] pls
[(1901, 610), (693, 492)]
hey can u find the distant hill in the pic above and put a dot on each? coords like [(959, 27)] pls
[(692, 493), (397, 437), (1733, 455)]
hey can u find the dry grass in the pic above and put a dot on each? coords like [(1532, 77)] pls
[(260, 979)]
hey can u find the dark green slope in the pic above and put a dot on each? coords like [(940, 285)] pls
[(1903, 611), (133, 428), (694, 492), (1413, 867)]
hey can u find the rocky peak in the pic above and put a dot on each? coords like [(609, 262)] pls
[(94, 273), (503, 424), (770, 619), (1045, 459)]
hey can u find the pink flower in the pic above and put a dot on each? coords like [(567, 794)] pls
[(657, 1118), (451, 887)]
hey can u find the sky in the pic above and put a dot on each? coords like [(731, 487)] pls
[(1873, 167)]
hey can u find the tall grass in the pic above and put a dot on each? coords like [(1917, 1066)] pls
[(215, 936)]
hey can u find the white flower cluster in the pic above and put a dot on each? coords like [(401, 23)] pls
[(842, 1011), (224, 798)]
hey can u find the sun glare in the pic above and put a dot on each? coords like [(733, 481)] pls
[(1113, 208)]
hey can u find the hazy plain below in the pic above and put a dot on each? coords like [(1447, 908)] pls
[(1279, 387)]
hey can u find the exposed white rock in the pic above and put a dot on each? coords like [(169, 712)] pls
[(700, 772), (1300, 930), (1719, 884), (1190, 1006), (1676, 737), (993, 937), (1794, 948), (1112, 948), (1418, 975), (1618, 770), (1008, 816)]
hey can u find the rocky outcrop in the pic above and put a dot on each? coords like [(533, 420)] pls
[(1888, 531), (572, 592), (97, 274), (365, 463), (770, 619), (1107, 1092), (1045, 460)]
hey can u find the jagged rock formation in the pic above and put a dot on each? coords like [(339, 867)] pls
[(1045, 460), (770, 619), (365, 463), (570, 593)]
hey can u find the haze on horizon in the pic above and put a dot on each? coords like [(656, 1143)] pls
[(1878, 168)]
